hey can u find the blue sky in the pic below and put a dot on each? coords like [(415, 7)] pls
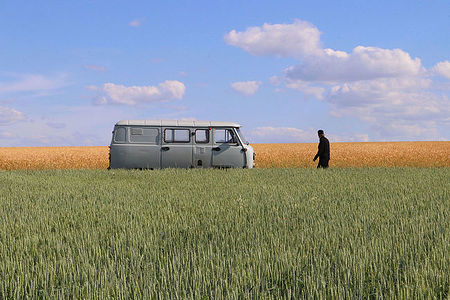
[(360, 70)]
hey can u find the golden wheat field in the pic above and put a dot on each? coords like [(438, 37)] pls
[(383, 154)]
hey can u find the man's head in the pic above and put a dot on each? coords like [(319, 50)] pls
[(320, 133)]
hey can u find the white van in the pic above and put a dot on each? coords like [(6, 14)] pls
[(149, 144)]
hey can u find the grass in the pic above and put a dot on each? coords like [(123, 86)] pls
[(209, 234)]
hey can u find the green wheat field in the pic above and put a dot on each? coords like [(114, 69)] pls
[(212, 234)]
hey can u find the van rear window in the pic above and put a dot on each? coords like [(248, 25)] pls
[(144, 135), (177, 136), (120, 135)]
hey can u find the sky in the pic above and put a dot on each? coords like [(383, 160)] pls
[(359, 70)]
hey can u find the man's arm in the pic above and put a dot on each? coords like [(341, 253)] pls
[(320, 151)]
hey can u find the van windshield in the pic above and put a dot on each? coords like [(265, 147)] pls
[(241, 136)]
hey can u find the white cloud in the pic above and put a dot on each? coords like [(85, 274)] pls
[(386, 96), (32, 83), (442, 68), (306, 88), (396, 108), (387, 88), (275, 80), (135, 23), (362, 63), (302, 40), (95, 68), (246, 87), (133, 95), (298, 39), (9, 116)]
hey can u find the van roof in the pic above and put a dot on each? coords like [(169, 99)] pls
[(177, 123)]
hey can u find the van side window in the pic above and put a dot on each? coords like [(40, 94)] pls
[(224, 136), (202, 136), (144, 135), (177, 136), (120, 135)]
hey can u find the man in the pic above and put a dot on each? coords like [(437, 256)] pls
[(324, 151)]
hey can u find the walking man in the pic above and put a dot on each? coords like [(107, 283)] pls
[(324, 151)]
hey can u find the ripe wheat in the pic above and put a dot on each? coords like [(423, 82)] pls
[(393, 154)]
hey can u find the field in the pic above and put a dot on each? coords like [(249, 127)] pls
[(411, 154), (211, 234)]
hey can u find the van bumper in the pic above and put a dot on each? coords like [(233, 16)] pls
[(250, 157)]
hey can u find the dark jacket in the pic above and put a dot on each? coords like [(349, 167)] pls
[(324, 149)]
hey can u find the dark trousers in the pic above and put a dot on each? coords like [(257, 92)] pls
[(323, 163)]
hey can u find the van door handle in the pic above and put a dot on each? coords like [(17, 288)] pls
[(165, 148), (216, 149)]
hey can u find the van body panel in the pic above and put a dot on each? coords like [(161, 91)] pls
[(249, 156), (176, 154), (202, 155), (202, 144), (126, 156), (227, 154), (142, 144), (138, 148)]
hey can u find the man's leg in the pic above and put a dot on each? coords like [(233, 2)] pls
[(322, 164)]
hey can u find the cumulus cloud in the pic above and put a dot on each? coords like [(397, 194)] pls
[(306, 88), (387, 88), (9, 116), (298, 39), (395, 107), (246, 87), (275, 80), (403, 96), (363, 63), (301, 40), (442, 68), (133, 95)]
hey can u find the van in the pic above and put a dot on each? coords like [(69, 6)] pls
[(149, 144)]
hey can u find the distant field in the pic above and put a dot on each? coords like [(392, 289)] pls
[(345, 233), (412, 154)]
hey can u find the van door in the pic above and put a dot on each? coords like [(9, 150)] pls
[(143, 149), (202, 148), (226, 150), (176, 148)]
